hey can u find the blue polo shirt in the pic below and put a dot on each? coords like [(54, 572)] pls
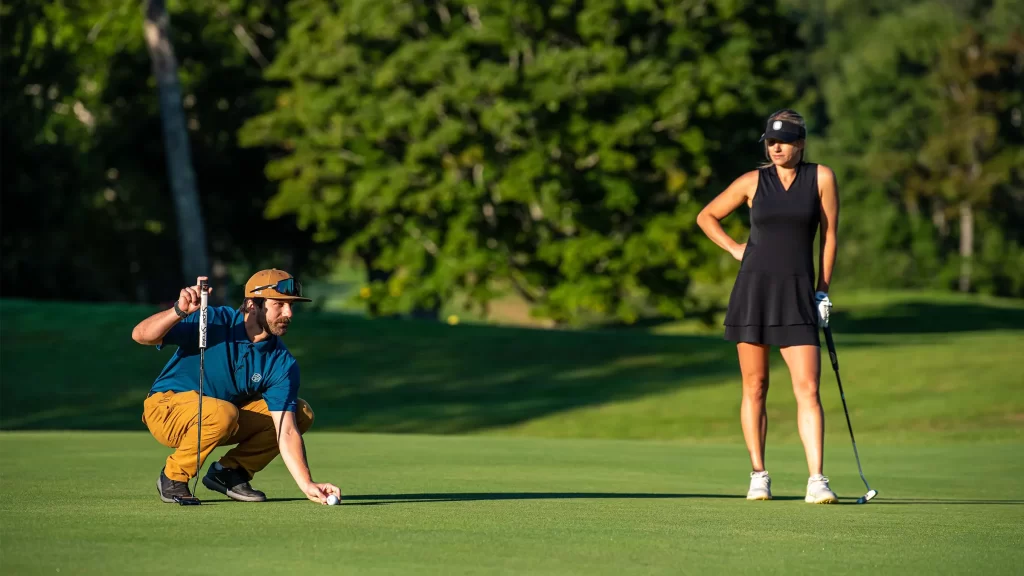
[(235, 368)]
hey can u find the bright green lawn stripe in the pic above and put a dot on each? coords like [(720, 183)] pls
[(86, 503)]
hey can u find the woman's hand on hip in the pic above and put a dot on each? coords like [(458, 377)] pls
[(738, 251)]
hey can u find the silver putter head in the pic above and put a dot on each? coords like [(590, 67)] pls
[(864, 499)]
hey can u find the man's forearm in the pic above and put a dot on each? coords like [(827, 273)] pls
[(294, 456), (152, 330)]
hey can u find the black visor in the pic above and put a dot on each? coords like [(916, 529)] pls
[(784, 131)]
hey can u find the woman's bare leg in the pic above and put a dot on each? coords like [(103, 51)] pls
[(753, 418), (804, 364)]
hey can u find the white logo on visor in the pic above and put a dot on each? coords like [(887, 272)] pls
[(257, 377), (777, 125)]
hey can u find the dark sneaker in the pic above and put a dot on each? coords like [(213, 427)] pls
[(171, 489), (232, 483)]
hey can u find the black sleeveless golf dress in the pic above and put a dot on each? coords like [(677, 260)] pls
[(772, 301)]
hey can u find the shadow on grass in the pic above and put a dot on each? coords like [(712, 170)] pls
[(379, 499), (211, 501), (473, 378), (398, 376), (944, 501), (919, 317), (906, 317), (75, 367), (427, 498)]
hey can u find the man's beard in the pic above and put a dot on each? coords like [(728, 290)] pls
[(277, 329)]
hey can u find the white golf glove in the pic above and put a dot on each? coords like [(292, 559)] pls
[(824, 308)]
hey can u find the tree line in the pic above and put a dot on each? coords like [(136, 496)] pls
[(457, 150)]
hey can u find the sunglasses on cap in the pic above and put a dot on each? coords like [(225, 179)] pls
[(286, 287)]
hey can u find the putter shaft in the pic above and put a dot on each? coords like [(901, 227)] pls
[(835, 367)]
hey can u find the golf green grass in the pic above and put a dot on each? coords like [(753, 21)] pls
[(484, 449), (86, 503)]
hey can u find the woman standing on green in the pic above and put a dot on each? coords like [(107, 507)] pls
[(775, 301)]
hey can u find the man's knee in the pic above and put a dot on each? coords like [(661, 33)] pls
[(304, 416), (220, 416)]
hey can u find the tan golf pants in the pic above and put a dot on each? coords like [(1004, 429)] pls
[(172, 417)]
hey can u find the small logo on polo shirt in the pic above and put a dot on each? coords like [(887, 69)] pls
[(257, 377)]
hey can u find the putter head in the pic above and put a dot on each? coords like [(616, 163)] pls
[(865, 498), (187, 500)]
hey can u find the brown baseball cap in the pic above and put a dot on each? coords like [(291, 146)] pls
[(274, 284)]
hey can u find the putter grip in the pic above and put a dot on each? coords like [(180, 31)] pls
[(203, 302)]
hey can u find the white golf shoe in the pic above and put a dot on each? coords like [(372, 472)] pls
[(760, 486), (818, 491)]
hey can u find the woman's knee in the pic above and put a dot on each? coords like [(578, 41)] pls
[(806, 391), (755, 385), (303, 415)]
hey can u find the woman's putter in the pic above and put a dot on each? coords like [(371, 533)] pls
[(203, 301), (835, 366)]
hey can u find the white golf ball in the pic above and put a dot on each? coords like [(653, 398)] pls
[(333, 500)]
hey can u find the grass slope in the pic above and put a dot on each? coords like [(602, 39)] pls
[(85, 503), (913, 367)]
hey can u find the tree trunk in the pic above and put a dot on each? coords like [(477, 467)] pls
[(966, 244), (939, 219), (191, 230)]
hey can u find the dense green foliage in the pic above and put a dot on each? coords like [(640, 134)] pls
[(557, 149), (457, 150), (922, 105), (87, 210)]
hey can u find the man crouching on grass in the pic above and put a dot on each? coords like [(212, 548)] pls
[(250, 391)]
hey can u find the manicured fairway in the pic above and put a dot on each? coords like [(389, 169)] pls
[(85, 503), (530, 452)]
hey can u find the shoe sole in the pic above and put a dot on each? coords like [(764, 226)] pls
[(210, 484), (765, 497), (825, 500)]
